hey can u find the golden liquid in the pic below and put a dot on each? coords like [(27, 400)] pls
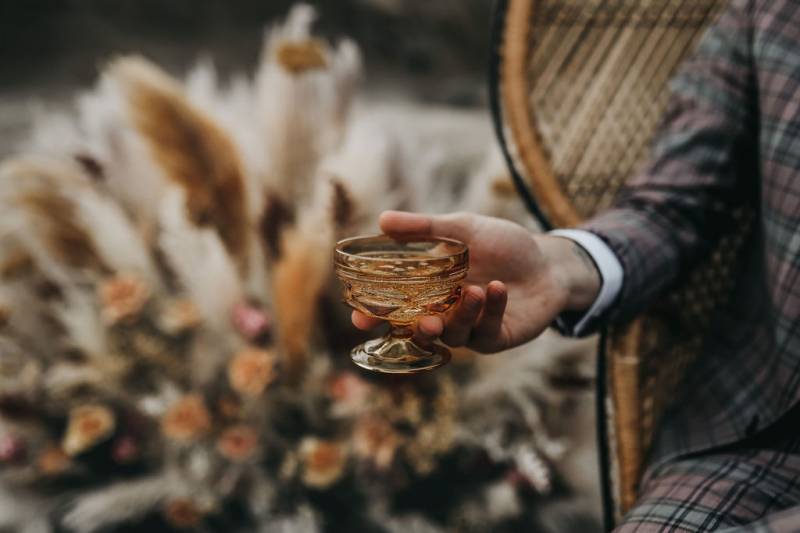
[(401, 291), (401, 264)]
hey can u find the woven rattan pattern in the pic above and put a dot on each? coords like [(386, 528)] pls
[(677, 329), (597, 75)]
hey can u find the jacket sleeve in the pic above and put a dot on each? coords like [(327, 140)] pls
[(704, 163)]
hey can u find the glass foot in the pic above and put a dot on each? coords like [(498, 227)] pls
[(392, 355)]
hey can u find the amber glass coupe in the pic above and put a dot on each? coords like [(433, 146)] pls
[(400, 281)]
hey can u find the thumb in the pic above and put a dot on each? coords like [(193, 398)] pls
[(400, 223)]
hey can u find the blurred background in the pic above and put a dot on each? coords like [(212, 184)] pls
[(518, 451), (434, 52)]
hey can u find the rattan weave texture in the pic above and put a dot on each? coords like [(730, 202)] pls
[(582, 87)]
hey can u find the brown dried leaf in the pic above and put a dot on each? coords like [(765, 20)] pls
[(88, 425)]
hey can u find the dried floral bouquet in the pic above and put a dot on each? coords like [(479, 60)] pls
[(171, 343)]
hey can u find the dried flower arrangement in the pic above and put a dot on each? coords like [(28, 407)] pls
[(168, 321)]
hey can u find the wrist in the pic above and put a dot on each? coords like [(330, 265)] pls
[(573, 269)]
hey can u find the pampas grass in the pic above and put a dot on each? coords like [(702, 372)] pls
[(170, 326), (303, 110), (195, 153)]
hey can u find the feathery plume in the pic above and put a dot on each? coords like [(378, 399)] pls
[(194, 151), (118, 503), (216, 287), (299, 279), (304, 90), (63, 236)]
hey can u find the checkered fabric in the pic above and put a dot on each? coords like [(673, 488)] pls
[(731, 136), (752, 486)]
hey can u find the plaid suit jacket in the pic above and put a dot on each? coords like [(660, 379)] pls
[(731, 135)]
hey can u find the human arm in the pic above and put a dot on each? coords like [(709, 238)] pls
[(517, 284)]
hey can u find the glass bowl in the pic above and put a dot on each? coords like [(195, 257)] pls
[(400, 281)]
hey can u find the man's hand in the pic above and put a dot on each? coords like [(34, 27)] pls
[(518, 282)]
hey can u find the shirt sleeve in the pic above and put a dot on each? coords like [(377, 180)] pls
[(611, 275)]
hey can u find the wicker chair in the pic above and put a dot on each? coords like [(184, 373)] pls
[(577, 90)]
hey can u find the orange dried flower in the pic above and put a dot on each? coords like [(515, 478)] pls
[(187, 420), (122, 298), (53, 461), (323, 462), (300, 56), (87, 426), (179, 316), (251, 370), (182, 513), (375, 440), (238, 443)]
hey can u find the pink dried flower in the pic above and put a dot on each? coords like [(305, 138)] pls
[(251, 321), (238, 443), (349, 394), (125, 449), (122, 298), (12, 448)]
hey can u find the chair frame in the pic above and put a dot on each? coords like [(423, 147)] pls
[(625, 426)]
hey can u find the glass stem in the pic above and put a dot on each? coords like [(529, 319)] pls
[(401, 331)]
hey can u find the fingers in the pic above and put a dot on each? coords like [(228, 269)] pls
[(429, 328), (403, 223), (477, 322), (362, 321), (400, 223), (460, 323), (488, 332)]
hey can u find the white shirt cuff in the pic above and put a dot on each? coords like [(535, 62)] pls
[(610, 271)]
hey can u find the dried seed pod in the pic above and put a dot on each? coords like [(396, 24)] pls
[(87, 426)]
